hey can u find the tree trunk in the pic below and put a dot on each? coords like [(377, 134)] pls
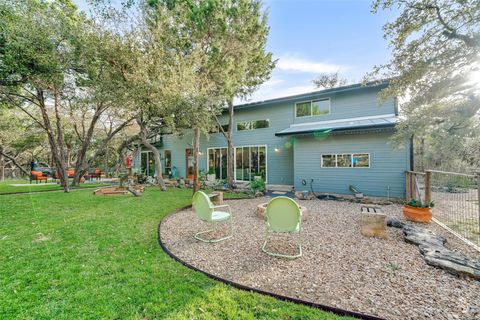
[(2, 165), (231, 149), (83, 164), (196, 156), (156, 154), (57, 146)]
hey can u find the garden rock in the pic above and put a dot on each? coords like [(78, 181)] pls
[(453, 262), (435, 254), (394, 222), (419, 236)]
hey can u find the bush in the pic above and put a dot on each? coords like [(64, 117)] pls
[(258, 185), (419, 204)]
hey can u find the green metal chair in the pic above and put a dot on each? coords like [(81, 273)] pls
[(283, 216), (207, 212)]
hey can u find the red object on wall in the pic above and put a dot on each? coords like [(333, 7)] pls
[(128, 162)]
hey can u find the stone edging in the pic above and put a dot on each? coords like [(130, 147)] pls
[(334, 310)]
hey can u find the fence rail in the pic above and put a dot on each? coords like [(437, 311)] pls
[(456, 197)]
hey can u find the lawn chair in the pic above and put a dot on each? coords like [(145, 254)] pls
[(37, 176), (284, 216), (206, 211)]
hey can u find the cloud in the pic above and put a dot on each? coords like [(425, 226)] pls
[(289, 63)]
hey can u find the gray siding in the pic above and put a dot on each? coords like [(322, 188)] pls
[(363, 103), (387, 165)]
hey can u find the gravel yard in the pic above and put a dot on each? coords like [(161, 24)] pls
[(339, 266)]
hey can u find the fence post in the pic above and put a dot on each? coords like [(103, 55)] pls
[(428, 186), (478, 196), (407, 186)]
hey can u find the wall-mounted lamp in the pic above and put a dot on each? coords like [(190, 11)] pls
[(277, 150), (200, 153)]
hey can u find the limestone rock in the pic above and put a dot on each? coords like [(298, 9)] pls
[(394, 222)]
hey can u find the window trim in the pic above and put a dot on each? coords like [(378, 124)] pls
[(311, 106), (351, 160), (243, 121)]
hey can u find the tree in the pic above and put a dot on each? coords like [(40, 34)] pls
[(329, 80), (435, 66), (66, 75), (242, 62)]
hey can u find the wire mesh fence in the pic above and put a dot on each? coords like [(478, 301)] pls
[(456, 198), (11, 173)]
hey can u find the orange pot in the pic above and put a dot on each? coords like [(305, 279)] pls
[(416, 214)]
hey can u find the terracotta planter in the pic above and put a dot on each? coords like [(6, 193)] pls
[(415, 214)]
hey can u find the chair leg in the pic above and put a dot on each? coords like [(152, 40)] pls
[(197, 235), (276, 254)]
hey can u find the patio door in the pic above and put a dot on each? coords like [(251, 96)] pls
[(189, 163), (147, 164), (250, 162)]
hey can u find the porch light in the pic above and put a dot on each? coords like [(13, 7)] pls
[(277, 150)]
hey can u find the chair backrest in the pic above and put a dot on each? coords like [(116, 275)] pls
[(283, 214), (202, 206), (36, 173)]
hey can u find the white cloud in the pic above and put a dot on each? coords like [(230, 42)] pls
[(273, 93), (289, 63)]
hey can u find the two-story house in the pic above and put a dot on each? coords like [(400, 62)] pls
[(324, 140)]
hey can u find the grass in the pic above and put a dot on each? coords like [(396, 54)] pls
[(80, 256), (6, 186)]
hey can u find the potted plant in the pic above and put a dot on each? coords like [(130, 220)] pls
[(211, 175), (418, 211)]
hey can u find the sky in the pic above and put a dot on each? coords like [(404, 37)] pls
[(309, 37)]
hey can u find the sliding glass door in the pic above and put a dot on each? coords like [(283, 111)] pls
[(250, 162), (217, 162)]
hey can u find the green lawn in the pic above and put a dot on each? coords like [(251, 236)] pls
[(6, 186), (80, 256)]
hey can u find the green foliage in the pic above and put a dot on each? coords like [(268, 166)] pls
[(82, 256), (420, 204), (258, 185), (435, 68)]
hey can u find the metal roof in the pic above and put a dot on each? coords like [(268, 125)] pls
[(375, 122)]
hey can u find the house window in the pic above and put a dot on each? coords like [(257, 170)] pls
[(346, 160), (167, 165), (361, 160), (216, 129), (217, 162), (312, 108), (252, 125), (250, 162)]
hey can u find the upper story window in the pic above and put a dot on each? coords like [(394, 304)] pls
[(252, 125), (216, 129), (312, 108)]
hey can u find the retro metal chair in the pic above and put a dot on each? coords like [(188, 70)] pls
[(207, 211), (283, 216)]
